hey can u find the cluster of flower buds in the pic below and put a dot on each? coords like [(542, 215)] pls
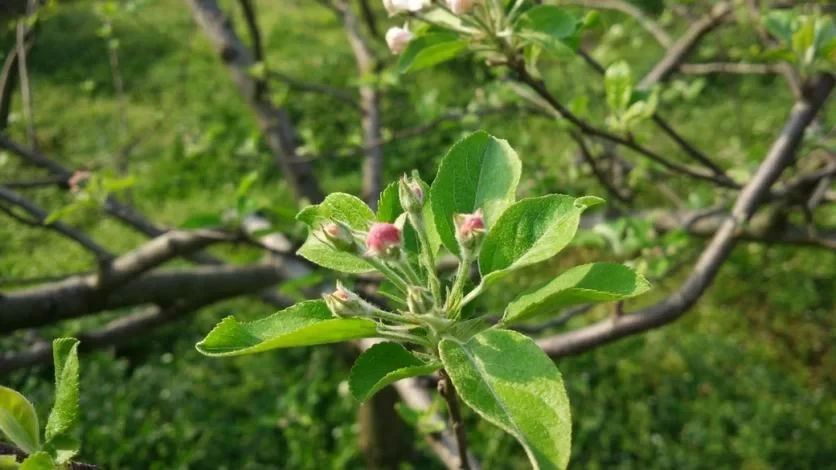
[(384, 241), (344, 303), (411, 194), (470, 230), (339, 235)]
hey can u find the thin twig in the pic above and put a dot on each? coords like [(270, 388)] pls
[(448, 391)]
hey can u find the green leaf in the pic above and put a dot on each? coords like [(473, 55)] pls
[(549, 26), (779, 24), (304, 324), (9, 462), (618, 86), (203, 220), (38, 461), (389, 204), (506, 378), (345, 208), (530, 231), (595, 282), (384, 364), (480, 171), (431, 49), (18, 420), (64, 414)]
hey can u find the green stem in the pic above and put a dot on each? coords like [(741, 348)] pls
[(390, 274), (410, 271), (473, 294), (427, 257), (405, 337), (393, 317), (462, 273)]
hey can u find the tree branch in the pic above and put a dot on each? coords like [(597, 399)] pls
[(728, 67), (586, 128), (448, 391), (628, 9), (780, 155), (273, 121), (369, 103), (79, 296), (683, 46), (40, 216)]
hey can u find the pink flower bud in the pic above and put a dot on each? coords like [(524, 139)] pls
[(398, 38), (470, 229), (344, 303), (461, 7), (383, 239), (393, 7), (339, 235)]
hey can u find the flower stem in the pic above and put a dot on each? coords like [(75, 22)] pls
[(453, 305), (427, 257), (404, 337), (390, 274)]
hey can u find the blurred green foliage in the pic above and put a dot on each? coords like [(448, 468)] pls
[(743, 381)]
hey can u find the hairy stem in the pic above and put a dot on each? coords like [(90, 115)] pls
[(453, 304), (448, 391), (390, 273), (427, 257)]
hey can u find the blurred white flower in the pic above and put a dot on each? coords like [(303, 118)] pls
[(398, 38), (398, 6)]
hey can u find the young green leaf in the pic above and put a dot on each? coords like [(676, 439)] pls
[(345, 208), (618, 86), (388, 204), (550, 27), (304, 324), (431, 49), (9, 462), (38, 461), (383, 364), (64, 414), (18, 420), (595, 282), (480, 171), (530, 231), (506, 378)]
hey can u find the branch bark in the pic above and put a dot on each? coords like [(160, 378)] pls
[(75, 297), (274, 122), (652, 27), (780, 155), (683, 46)]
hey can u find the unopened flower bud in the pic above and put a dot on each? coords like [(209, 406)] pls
[(398, 38), (418, 299), (461, 7), (470, 229), (411, 194), (384, 241), (344, 303), (339, 235), (393, 7)]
